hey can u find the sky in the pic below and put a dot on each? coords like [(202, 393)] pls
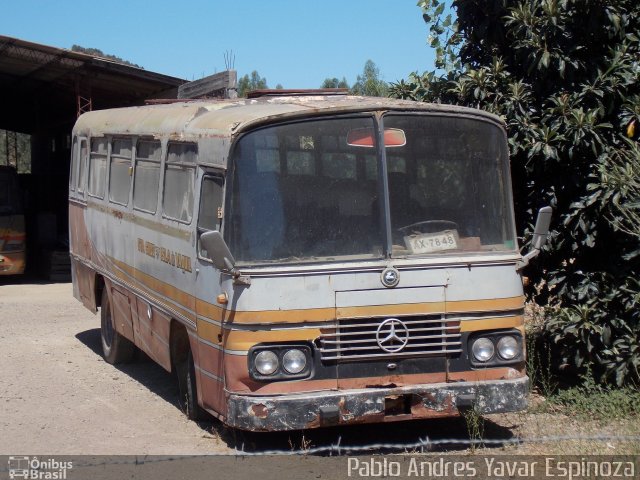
[(293, 43)]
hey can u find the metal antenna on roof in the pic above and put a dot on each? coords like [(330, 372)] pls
[(229, 60)]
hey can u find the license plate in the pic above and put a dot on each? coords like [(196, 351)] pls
[(432, 242)]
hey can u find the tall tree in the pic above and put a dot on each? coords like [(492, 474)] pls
[(564, 74), (370, 83), (253, 82), (335, 83)]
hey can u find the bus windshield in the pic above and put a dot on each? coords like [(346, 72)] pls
[(306, 191), (10, 201)]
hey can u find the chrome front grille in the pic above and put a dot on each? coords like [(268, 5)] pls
[(390, 337)]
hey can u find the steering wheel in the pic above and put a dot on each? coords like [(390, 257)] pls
[(428, 226)]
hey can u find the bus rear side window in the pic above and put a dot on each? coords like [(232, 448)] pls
[(179, 180), (146, 180), (81, 170), (74, 164), (119, 177), (97, 167)]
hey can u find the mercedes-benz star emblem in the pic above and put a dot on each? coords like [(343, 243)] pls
[(392, 335), (390, 277)]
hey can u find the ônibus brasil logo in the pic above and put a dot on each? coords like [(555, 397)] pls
[(35, 469)]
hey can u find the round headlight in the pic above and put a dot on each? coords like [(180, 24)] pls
[(482, 349), (508, 347), (294, 361), (266, 362)]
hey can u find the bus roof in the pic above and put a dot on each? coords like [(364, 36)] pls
[(195, 119)]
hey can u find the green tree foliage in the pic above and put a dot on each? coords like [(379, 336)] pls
[(369, 83), (620, 173), (99, 53), (564, 75), (249, 83), (335, 83), (15, 150)]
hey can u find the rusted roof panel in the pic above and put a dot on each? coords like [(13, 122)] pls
[(223, 118)]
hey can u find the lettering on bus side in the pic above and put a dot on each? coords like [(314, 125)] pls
[(170, 257)]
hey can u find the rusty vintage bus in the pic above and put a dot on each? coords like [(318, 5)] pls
[(12, 224), (305, 259)]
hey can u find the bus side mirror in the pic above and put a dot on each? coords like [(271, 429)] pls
[(539, 239), (218, 251), (542, 228)]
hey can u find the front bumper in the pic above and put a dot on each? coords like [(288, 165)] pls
[(318, 409)]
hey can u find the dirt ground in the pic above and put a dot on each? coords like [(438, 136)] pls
[(59, 397)]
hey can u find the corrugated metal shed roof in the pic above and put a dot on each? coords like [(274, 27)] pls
[(26, 67)]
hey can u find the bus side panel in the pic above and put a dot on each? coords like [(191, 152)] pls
[(193, 345), (209, 342), (121, 311), (80, 242), (152, 332), (84, 280), (84, 276), (211, 370), (210, 390)]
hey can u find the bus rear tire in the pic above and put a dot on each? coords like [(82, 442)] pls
[(115, 347)]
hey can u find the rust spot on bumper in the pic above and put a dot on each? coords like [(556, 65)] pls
[(428, 407), (259, 410), (294, 412)]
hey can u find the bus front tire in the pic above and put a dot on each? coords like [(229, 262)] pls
[(189, 392), (115, 347)]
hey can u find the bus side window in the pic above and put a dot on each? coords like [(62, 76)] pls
[(97, 167), (179, 180), (74, 164), (81, 171), (210, 211), (119, 171), (146, 179)]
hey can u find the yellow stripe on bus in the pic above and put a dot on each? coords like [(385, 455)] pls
[(491, 323), (213, 312)]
